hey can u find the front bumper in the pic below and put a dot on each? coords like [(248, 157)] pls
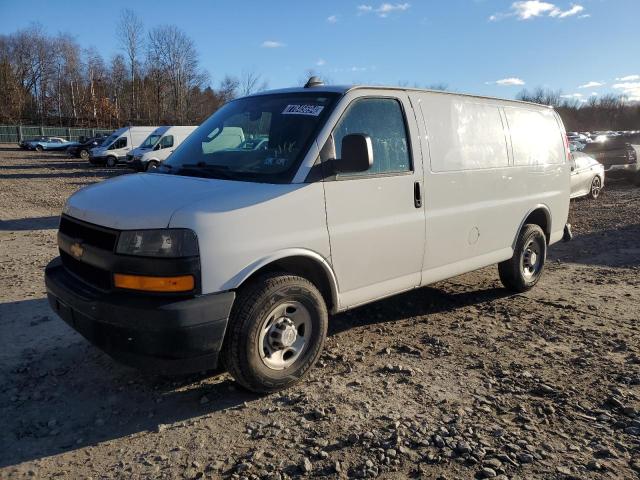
[(151, 332)]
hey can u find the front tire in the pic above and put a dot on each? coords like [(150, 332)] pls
[(111, 162), (84, 154), (39, 148), (276, 332), (152, 165), (522, 271)]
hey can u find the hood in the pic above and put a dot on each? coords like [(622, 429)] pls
[(139, 201)]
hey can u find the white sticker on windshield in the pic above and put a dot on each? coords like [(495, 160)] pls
[(313, 110)]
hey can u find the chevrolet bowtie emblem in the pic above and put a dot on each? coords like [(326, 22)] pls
[(76, 249)]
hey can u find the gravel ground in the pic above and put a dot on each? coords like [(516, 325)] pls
[(458, 380)]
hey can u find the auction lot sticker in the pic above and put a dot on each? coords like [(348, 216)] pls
[(313, 110)]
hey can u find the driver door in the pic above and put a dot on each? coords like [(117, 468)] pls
[(376, 219)]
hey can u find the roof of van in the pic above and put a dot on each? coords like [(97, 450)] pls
[(342, 89)]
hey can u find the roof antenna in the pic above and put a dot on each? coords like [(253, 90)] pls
[(314, 82)]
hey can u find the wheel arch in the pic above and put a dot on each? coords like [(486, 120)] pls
[(305, 263), (539, 215)]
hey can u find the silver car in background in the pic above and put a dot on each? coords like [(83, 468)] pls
[(587, 176)]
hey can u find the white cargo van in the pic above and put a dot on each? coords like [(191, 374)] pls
[(326, 198), (157, 147), (116, 146)]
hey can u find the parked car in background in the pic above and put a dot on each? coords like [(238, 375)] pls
[(116, 146), (619, 157), (52, 143), (25, 143), (81, 150), (158, 146), (587, 176)]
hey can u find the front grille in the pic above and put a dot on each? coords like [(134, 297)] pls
[(93, 275), (89, 234)]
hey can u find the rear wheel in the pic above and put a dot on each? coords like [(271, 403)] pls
[(39, 148), (522, 271), (276, 332), (84, 154), (596, 187), (111, 162)]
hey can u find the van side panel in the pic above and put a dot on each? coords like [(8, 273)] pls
[(476, 198)]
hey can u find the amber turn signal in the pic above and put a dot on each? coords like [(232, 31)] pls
[(182, 283)]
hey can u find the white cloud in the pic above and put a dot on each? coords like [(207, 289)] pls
[(628, 78), (332, 18), (572, 95), (630, 89), (384, 9), (591, 85), (272, 44), (529, 9), (574, 10), (321, 62), (508, 82)]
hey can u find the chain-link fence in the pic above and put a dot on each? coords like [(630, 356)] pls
[(17, 133)]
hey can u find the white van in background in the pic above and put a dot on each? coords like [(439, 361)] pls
[(158, 146), (115, 147), (286, 206)]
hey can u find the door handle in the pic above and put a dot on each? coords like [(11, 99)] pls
[(417, 195)]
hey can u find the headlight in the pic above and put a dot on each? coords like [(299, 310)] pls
[(177, 242)]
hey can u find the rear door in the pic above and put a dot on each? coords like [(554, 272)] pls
[(376, 224)]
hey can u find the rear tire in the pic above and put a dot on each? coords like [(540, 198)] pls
[(84, 154), (39, 148), (522, 271), (276, 332), (596, 188)]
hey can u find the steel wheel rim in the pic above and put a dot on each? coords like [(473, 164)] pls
[(284, 335), (596, 186), (531, 260)]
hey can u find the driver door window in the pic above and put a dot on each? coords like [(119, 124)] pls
[(119, 143), (166, 142), (383, 120)]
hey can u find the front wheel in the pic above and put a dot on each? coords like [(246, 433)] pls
[(276, 332), (39, 148), (152, 165), (111, 162), (84, 154), (522, 271)]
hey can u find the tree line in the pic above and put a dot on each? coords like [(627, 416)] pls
[(598, 112), (156, 79)]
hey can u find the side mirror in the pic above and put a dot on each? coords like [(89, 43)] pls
[(357, 154)]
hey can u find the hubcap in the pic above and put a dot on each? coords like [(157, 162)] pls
[(531, 259), (595, 187), (284, 334)]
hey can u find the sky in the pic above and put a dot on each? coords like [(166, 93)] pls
[(487, 47)]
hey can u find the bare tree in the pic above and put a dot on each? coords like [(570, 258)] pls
[(130, 35), (252, 82)]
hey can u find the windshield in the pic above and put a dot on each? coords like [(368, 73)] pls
[(109, 140), (262, 138), (150, 141)]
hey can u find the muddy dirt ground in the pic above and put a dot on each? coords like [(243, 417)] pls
[(458, 380)]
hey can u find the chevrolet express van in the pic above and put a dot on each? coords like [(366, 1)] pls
[(357, 194), (116, 146), (157, 147)]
